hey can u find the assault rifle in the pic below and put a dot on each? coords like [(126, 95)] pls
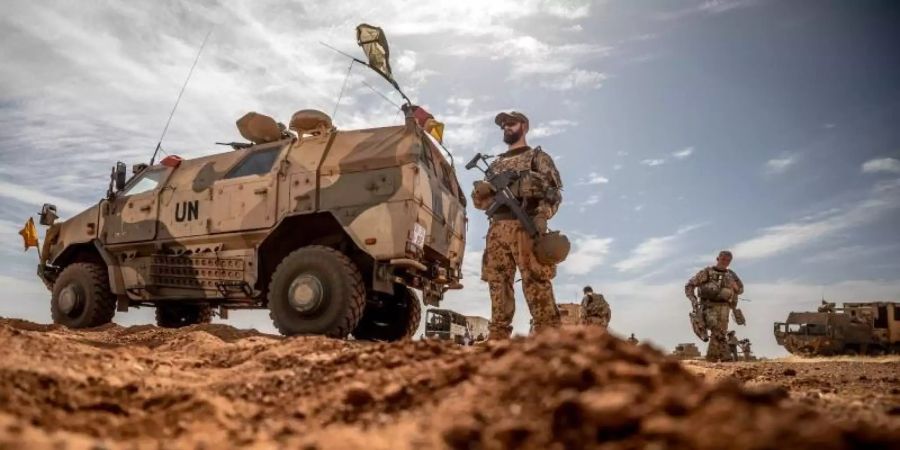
[(698, 322), (503, 196)]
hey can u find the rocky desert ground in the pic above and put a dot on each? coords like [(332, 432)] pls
[(214, 386)]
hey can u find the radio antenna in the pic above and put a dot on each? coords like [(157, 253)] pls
[(177, 100)]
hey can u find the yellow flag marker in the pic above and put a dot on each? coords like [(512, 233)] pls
[(29, 234), (436, 129)]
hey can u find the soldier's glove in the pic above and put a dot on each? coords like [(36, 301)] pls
[(483, 189), (540, 224)]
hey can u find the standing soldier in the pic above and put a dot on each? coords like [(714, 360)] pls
[(594, 309), (632, 339), (733, 345), (745, 349), (719, 289), (508, 245)]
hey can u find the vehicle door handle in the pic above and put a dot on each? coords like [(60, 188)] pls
[(146, 207), (261, 191)]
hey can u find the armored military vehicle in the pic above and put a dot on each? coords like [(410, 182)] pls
[(854, 329), (569, 313), (686, 351), (331, 230), (445, 324)]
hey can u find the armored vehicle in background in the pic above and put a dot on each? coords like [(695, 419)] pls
[(855, 329), (444, 324), (330, 230), (686, 351), (569, 313)]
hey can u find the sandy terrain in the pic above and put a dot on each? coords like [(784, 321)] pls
[(213, 386)]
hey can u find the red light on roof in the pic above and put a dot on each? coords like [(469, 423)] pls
[(171, 161)]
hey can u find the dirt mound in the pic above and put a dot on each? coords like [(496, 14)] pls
[(215, 386)]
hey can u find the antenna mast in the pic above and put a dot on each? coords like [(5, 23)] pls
[(177, 100)]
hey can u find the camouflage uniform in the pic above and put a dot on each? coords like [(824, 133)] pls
[(711, 282), (745, 347), (510, 247), (733, 346), (595, 310)]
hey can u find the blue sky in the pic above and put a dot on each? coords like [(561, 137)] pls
[(680, 128)]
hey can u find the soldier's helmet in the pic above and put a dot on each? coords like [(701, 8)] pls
[(551, 248), (588, 289)]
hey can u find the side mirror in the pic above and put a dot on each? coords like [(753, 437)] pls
[(48, 214), (120, 174)]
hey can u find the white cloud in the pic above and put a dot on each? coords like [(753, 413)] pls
[(592, 200), (780, 238), (551, 128), (683, 153), (653, 162), (617, 167), (890, 165), (577, 78), (595, 178), (652, 250), (36, 198), (589, 252), (780, 165), (638, 208)]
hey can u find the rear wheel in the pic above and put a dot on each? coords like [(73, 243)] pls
[(316, 290), (396, 317), (81, 296), (177, 316)]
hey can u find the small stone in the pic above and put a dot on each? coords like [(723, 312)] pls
[(789, 372)]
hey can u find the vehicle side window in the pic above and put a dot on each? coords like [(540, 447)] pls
[(147, 182), (257, 163)]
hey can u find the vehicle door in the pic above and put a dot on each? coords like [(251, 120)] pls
[(245, 198), (132, 215)]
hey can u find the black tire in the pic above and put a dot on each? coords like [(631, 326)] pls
[(81, 296), (177, 316), (397, 318), (337, 295)]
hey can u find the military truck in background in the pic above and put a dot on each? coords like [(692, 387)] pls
[(330, 230), (448, 325), (861, 328), (686, 351), (569, 313)]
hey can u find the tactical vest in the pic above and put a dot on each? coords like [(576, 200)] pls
[(530, 187), (717, 286)]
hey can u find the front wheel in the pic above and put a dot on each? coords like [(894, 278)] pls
[(81, 296), (316, 290), (397, 317)]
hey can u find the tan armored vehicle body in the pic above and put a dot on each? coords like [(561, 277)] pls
[(327, 228), (857, 328), (686, 351)]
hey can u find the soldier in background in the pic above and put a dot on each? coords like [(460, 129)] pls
[(719, 288), (594, 309), (733, 345), (745, 349), (633, 339), (508, 244)]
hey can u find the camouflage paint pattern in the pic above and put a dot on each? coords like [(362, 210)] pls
[(509, 248), (855, 328), (198, 228)]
